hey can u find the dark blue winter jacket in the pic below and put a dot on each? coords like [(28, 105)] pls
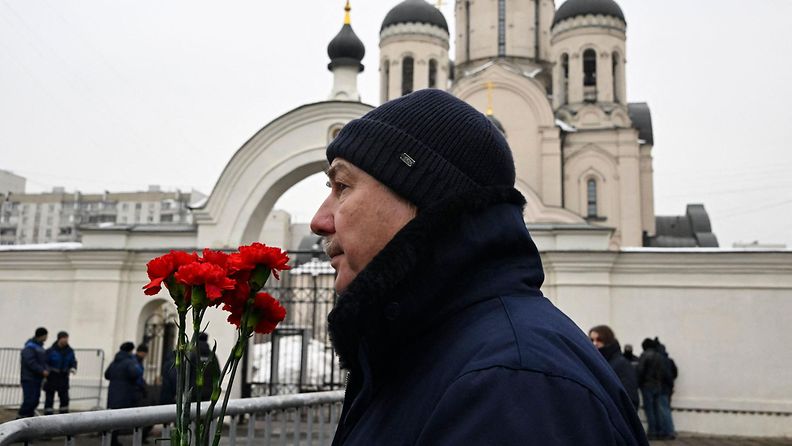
[(34, 361), (61, 360), (123, 374), (450, 342)]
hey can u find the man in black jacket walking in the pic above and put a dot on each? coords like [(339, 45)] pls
[(33, 371), (440, 321)]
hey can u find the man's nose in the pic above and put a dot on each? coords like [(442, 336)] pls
[(322, 222)]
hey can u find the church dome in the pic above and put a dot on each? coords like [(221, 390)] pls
[(346, 49), (415, 11), (574, 8)]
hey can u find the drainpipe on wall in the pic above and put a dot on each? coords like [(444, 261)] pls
[(536, 30)]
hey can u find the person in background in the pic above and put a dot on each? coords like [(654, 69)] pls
[(603, 338), (61, 362), (33, 372), (123, 374), (212, 369), (630, 355), (652, 378), (140, 386)]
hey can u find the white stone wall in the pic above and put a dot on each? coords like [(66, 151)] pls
[(722, 314)]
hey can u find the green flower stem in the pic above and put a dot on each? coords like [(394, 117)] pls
[(178, 436), (197, 314), (216, 392), (239, 349)]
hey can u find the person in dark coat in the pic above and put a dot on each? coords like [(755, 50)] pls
[(440, 321), (33, 371), (212, 369), (61, 363), (653, 376), (629, 355), (603, 338), (123, 374), (169, 380)]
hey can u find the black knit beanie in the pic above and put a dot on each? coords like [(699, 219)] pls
[(426, 146)]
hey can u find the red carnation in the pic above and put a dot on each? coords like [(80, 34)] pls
[(218, 258), (160, 268), (212, 277), (265, 314), (251, 256)]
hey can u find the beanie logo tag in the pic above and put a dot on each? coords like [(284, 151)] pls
[(407, 159)]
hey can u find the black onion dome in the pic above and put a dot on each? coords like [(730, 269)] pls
[(346, 49), (574, 8), (415, 11)]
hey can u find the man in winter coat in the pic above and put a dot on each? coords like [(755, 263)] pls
[(439, 319), (653, 378), (211, 368), (33, 371), (124, 374), (603, 338), (61, 362)]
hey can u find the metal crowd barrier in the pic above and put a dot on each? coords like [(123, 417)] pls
[(85, 385), (301, 419)]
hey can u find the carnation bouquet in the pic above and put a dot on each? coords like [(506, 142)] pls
[(197, 283)]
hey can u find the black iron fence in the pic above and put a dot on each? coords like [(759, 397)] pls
[(85, 385), (297, 357)]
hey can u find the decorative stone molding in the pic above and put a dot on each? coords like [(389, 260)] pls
[(415, 28), (599, 21)]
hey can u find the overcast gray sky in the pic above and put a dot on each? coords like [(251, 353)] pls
[(116, 95)]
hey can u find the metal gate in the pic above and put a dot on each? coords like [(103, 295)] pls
[(297, 357), (159, 335), (85, 385)]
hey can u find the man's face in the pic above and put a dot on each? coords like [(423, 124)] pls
[(141, 355), (357, 219), (64, 341)]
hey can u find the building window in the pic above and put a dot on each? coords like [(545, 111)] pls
[(501, 28), (138, 206), (616, 77), (591, 202), (589, 68), (564, 78), (166, 218), (385, 80), (407, 75), (432, 73)]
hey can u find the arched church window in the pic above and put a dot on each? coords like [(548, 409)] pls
[(591, 201), (616, 77), (589, 68), (432, 73), (407, 75), (590, 75), (564, 78), (385, 80)]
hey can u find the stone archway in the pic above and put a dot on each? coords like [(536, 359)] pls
[(285, 151)]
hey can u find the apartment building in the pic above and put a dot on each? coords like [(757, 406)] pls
[(58, 215)]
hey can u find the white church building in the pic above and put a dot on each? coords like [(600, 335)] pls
[(553, 80)]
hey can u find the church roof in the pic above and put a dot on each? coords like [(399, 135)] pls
[(574, 8), (684, 231), (346, 49), (641, 117), (415, 11)]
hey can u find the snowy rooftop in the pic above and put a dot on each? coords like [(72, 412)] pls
[(63, 246)]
